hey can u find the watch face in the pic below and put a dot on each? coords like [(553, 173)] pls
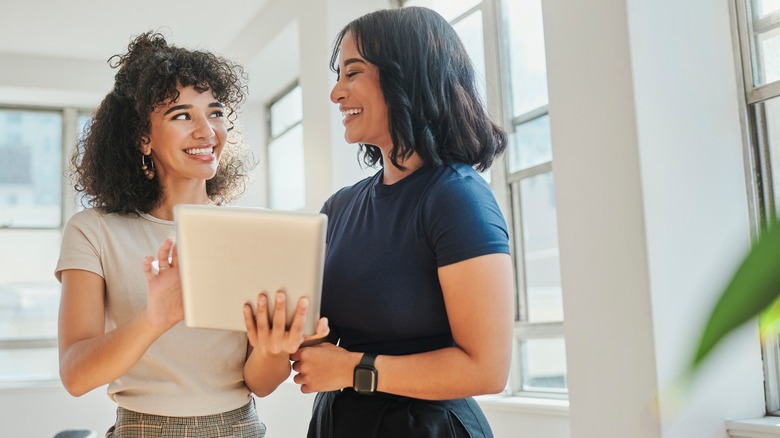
[(365, 380)]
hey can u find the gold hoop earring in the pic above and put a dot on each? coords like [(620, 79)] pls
[(147, 170)]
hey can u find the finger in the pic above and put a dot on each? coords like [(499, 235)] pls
[(261, 315), (323, 330), (162, 254), (174, 255), (299, 319), (296, 366), (296, 357), (147, 266), (251, 326), (280, 315)]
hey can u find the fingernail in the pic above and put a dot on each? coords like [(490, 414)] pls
[(279, 297), (261, 299)]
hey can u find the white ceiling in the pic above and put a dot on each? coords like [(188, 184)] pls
[(98, 29)]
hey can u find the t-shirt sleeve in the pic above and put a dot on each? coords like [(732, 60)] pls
[(465, 221), (80, 244)]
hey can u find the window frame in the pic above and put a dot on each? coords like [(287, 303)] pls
[(762, 208)]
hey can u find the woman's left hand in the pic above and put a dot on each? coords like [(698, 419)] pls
[(271, 337), (324, 367)]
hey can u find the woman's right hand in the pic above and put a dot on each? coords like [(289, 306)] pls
[(164, 307)]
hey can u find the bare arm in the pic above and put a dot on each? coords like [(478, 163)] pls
[(478, 296), (89, 357)]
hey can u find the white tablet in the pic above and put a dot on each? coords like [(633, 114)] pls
[(227, 255)]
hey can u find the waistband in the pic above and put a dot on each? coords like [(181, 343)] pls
[(127, 416)]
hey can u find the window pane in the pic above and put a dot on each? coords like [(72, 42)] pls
[(29, 310), (286, 112), (27, 365), (30, 170), (771, 109), (470, 32), (525, 43), (286, 177), (540, 249), (544, 364), (768, 53), (766, 7), (530, 144), (449, 9)]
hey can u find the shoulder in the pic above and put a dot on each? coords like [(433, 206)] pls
[(96, 214), (457, 183)]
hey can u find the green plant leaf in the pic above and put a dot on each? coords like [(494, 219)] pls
[(754, 286)]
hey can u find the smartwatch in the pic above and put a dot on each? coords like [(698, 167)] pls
[(364, 378)]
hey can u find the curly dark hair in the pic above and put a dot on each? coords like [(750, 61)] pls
[(429, 84), (107, 160)]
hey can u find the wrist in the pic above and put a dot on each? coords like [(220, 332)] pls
[(365, 377), (153, 324)]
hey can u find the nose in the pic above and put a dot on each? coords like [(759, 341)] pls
[(202, 128), (337, 94)]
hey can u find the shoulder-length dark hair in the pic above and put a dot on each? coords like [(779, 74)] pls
[(107, 162), (429, 85)]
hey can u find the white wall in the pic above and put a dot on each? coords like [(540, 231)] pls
[(652, 213)]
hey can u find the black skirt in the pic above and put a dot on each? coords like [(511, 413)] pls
[(347, 414)]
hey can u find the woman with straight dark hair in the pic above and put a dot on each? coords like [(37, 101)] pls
[(418, 285), (163, 136)]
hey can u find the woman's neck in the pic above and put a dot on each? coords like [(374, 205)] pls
[(174, 194), (392, 174)]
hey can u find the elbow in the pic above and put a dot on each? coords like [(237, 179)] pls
[(493, 380), (72, 384), (264, 390), (495, 385)]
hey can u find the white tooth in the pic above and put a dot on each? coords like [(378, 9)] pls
[(199, 151)]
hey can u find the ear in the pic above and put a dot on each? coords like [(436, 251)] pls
[(146, 147)]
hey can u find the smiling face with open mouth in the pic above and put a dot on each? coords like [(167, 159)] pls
[(187, 135), (359, 96)]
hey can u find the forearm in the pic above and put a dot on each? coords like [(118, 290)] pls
[(441, 374), (90, 363), (263, 373)]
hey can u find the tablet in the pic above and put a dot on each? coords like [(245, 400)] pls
[(227, 255)]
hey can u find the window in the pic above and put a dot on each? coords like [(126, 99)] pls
[(30, 144), (758, 28), (34, 204), (286, 177), (527, 183)]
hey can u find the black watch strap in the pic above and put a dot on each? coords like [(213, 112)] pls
[(368, 360)]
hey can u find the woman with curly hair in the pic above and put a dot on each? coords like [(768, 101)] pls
[(418, 283), (163, 136)]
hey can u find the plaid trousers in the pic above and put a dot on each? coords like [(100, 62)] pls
[(238, 423)]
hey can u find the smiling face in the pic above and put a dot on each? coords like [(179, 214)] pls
[(359, 96), (186, 137)]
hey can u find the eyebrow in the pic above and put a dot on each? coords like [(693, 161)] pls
[(353, 60), (188, 106)]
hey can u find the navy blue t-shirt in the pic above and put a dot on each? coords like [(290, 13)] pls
[(381, 290)]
